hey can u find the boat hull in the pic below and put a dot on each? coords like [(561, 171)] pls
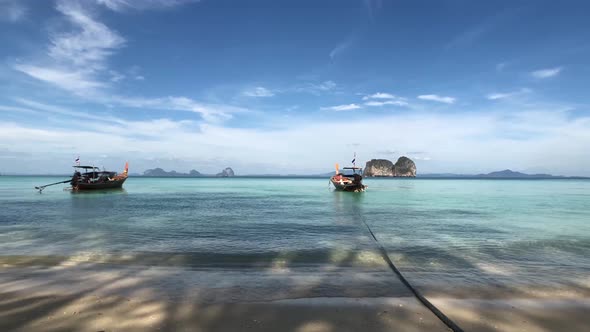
[(347, 186), (114, 184)]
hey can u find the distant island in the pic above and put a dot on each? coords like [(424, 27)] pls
[(403, 167), (505, 174), (159, 172)]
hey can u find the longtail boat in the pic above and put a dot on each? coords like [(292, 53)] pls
[(349, 180), (92, 178)]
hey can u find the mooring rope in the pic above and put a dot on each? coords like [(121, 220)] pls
[(446, 320)]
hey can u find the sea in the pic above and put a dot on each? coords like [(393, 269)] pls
[(257, 239)]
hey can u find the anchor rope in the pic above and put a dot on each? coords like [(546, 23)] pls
[(443, 318)]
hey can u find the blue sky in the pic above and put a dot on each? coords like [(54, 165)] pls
[(294, 86)]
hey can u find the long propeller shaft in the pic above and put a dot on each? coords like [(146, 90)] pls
[(51, 184)]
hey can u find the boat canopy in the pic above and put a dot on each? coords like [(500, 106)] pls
[(86, 167)]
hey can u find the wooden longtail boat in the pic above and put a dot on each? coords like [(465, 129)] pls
[(350, 181), (92, 178)]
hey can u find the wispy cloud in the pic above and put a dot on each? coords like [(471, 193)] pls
[(546, 73), (501, 66), (80, 82), (315, 88), (79, 57), (90, 45), (12, 11), (484, 26), (116, 76), (258, 92), (79, 64), (379, 95), (387, 152), (14, 109), (382, 99), (336, 51), (57, 110), (124, 5), (387, 102), (505, 95), (209, 112), (347, 107), (437, 98)]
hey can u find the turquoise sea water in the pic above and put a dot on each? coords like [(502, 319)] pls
[(446, 235)]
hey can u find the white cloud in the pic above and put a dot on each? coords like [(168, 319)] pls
[(258, 92), (57, 110), (387, 102), (17, 110), (382, 99), (78, 81), (209, 112), (495, 96), (12, 11), (348, 107), (116, 76), (379, 95), (315, 88), (453, 141), (79, 65), (437, 98), (79, 57), (90, 45), (124, 5), (340, 48), (546, 73), (506, 95)]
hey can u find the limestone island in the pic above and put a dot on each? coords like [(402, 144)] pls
[(404, 167), (158, 172)]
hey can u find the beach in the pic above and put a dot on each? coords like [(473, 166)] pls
[(289, 255), (90, 298)]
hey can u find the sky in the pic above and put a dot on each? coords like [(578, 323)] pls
[(293, 87)]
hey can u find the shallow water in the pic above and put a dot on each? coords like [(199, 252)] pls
[(446, 235)]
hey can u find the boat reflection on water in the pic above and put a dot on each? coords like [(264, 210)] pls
[(98, 192)]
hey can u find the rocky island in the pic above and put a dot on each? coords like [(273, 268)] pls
[(404, 167), (158, 172), (227, 172)]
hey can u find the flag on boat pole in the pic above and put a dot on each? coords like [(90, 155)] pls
[(78, 161), (353, 160)]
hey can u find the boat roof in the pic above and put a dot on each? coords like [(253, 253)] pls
[(351, 167), (86, 167)]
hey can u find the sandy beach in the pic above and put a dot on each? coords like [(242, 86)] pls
[(84, 297)]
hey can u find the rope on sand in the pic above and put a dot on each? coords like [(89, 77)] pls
[(446, 320)]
